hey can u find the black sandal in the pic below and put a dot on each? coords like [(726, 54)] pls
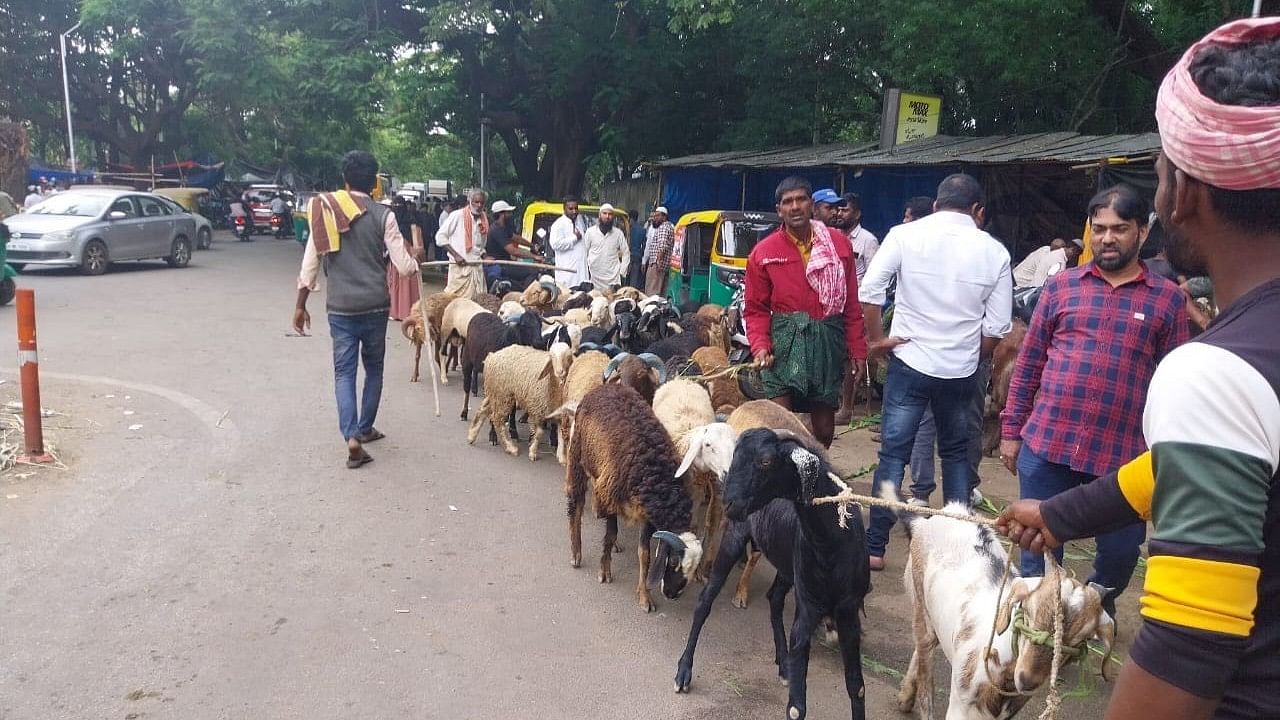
[(356, 461), (373, 435)]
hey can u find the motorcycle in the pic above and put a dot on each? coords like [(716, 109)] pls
[(749, 380), (244, 230)]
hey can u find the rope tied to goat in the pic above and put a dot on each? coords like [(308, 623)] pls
[(1053, 701)]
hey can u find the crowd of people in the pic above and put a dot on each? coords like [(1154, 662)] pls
[(1124, 407)]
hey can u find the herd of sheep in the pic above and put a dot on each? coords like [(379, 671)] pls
[(640, 402)]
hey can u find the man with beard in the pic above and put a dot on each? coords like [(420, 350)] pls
[(825, 203), (1209, 645), (608, 254), (657, 252), (801, 310), (1075, 399), (463, 235), (566, 242)]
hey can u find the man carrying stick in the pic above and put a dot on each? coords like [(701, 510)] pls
[(1209, 646), (463, 235)]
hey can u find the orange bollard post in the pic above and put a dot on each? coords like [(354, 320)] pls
[(29, 365)]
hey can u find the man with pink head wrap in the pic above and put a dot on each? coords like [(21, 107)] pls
[(1209, 645)]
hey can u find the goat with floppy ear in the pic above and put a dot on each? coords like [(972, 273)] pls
[(830, 568)]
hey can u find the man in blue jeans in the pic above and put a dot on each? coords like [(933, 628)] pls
[(352, 237), (953, 304), (1080, 383)]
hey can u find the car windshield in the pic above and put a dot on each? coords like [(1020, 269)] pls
[(738, 237), (77, 204)]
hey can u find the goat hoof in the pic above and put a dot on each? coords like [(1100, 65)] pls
[(739, 602), (575, 561), (617, 547), (464, 415), (606, 577), (647, 604), (683, 678)]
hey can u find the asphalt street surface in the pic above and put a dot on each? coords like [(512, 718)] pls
[(206, 554)]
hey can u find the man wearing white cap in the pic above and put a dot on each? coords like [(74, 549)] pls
[(657, 252), (505, 244), (608, 254)]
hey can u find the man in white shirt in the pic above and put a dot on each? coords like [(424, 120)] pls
[(1046, 261), (33, 197), (463, 235), (567, 234), (954, 302), (608, 253)]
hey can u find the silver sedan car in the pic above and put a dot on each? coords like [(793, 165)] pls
[(91, 228)]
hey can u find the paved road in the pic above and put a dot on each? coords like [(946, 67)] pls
[(219, 561)]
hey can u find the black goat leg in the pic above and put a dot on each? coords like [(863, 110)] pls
[(798, 659), (731, 548), (850, 629), (777, 596), (468, 375)]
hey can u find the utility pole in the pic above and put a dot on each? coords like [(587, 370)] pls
[(484, 141), (66, 96)]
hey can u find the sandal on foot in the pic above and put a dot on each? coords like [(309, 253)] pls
[(373, 435), (355, 461)]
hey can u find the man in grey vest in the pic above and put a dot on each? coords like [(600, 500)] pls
[(352, 237)]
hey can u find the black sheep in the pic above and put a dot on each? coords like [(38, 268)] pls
[(680, 344), (825, 563)]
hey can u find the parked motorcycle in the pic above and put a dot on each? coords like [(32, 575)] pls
[(749, 379)]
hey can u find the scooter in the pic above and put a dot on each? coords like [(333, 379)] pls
[(280, 228), (244, 231)]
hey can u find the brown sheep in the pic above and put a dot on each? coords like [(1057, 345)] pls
[(417, 330), (541, 296), (726, 396), (623, 456), (488, 301), (585, 374)]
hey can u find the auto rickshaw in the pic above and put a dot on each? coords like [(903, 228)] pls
[(711, 246), (187, 197), (538, 217), (8, 286)]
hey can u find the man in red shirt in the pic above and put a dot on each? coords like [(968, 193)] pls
[(803, 319), (1075, 401)]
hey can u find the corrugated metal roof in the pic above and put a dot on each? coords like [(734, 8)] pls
[(1043, 148)]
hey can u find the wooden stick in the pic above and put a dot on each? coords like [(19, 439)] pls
[(431, 347), (512, 263)]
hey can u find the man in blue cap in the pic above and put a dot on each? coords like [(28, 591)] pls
[(825, 202)]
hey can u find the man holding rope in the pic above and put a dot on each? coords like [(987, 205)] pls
[(1209, 646)]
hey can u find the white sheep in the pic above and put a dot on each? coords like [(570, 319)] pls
[(453, 331), (684, 409), (601, 315), (510, 311), (522, 377)]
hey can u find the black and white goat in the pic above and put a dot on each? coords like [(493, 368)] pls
[(768, 497)]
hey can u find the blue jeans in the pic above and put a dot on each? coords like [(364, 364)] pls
[(1118, 550), (922, 478), (365, 337), (906, 395)]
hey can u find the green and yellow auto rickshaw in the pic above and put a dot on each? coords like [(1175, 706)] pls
[(711, 246), (539, 215)]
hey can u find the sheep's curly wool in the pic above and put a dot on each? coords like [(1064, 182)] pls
[(620, 443)]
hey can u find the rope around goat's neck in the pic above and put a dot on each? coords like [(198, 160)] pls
[(1053, 701)]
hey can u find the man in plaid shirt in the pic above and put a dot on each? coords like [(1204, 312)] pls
[(657, 252), (1080, 384)]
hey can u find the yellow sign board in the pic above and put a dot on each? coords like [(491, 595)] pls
[(917, 117)]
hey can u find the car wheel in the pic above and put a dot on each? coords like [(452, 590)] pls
[(94, 260), (204, 240), (180, 256), (8, 288)]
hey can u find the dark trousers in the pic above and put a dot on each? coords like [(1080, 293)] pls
[(922, 477), (1118, 551), (358, 339), (906, 395)]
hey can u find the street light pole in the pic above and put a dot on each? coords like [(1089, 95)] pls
[(66, 96)]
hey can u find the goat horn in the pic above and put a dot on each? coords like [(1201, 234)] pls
[(610, 349), (586, 347), (671, 539), (656, 363), (552, 288)]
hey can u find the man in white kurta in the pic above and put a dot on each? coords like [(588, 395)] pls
[(608, 253), (567, 240), (463, 235)]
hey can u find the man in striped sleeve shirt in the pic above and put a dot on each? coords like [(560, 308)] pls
[(1209, 646)]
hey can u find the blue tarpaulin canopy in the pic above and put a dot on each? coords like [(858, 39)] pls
[(1036, 185)]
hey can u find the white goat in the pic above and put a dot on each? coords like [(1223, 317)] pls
[(952, 579)]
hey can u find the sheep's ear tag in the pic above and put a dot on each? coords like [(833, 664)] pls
[(807, 465)]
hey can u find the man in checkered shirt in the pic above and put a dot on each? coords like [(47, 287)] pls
[(1076, 396)]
